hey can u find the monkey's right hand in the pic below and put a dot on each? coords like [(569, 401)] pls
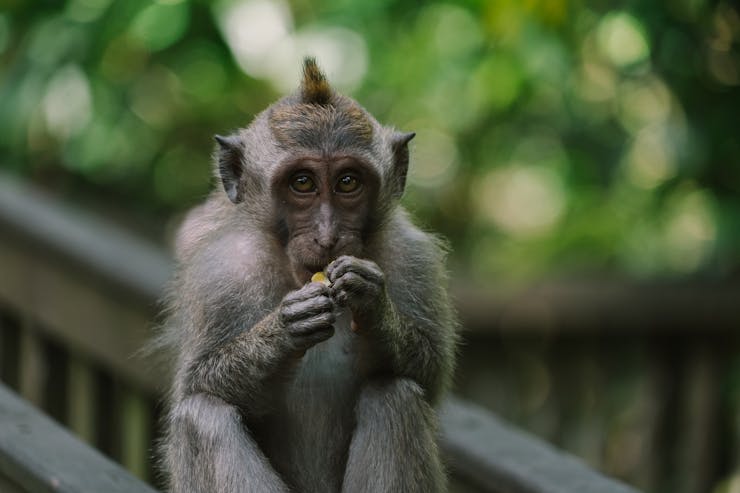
[(307, 315)]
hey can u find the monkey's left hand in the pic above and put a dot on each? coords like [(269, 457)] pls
[(360, 285)]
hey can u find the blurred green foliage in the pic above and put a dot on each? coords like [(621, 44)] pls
[(554, 136)]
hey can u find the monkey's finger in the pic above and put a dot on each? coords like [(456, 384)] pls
[(347, 263), (316, 323), (369, 271), (341, 298), (310, 290), (354, 284), (365, 268), (306, 308)]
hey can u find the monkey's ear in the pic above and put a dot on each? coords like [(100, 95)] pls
[(230, 166), (400, 147)]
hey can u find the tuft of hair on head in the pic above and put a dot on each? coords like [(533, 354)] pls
[(315, 88)]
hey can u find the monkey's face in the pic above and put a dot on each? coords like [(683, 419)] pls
[(325, 210)]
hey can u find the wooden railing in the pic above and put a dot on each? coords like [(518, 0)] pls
[(39, 456), (77, 300)]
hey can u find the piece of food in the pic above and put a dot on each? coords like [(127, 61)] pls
[(320, 277)]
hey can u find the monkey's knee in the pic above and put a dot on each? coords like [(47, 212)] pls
[(396, 412), (204, 418), (394, 445), (196, 426), (391, 397), (209, 450)]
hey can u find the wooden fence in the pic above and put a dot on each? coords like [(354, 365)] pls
[(640, 379), (77, 300), (39, 456)]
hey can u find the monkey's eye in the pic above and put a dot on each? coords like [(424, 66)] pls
[(302, 184), (347, 184)]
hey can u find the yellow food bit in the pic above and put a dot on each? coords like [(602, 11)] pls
[(320, 277)]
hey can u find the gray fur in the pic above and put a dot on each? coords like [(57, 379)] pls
[(274, 391)]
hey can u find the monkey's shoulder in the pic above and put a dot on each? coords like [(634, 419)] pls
[(228, 259), (236, 255), (199, 226), (411, 251)]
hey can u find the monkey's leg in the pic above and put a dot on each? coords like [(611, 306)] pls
[(210, 451), (393, 447)]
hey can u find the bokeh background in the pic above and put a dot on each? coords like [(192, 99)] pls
[(590, 147)]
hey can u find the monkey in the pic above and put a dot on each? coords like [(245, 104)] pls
[(281, 384)]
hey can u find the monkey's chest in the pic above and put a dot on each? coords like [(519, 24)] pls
[(318, 417), (328, 374)]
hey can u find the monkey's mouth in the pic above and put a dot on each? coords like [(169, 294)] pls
[(313, 268), (308, 270), (318, 261), (305, 262)]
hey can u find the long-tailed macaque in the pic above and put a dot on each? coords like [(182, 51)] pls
[(288, 385)]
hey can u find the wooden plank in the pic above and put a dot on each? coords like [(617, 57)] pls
[(135, 429), (82, 399), (83, 239), (499, 458), (41, 457), (88, 318), (598, 306), (7, 486), (32, 365), (9, 349), (701, 418)]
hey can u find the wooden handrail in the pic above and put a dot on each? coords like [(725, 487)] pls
[(89, 243), (39, 456), (498, 457)]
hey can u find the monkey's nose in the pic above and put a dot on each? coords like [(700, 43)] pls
[(325, 242)]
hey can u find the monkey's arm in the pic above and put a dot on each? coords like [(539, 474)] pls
[(421, 348), (247, 369), (237, 369), (412, 319)]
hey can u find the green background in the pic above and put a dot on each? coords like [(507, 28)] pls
[(554, 137)]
